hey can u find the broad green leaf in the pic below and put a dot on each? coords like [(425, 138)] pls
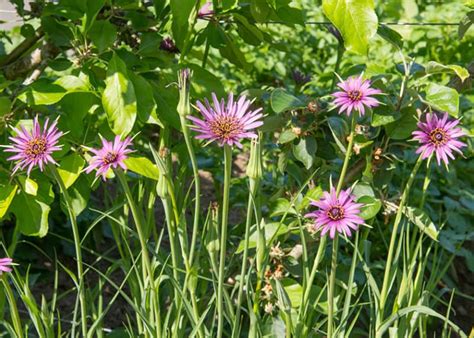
[(370, 208), (422, 221), (92, 9), (5, 105), (282, 101), (42, 92), (402, 128), (7, 193), (142, 166), (362, 189), (356, 20), (118, 99), (260, 10), (204, 83), (28, 185), (249, 32), (287, 136), (232, 53), (443, 98), (79, 195), (31, 215), (103, 34), (305, 150), (146, 106), (434, 67), (382, 116), (183, 12), (390, 35), (465, 24), (228, 4), (294, 291), (291, 15), (76, 106), (73, 83), (70, 168)]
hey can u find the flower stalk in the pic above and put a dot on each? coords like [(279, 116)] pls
[(254, 172), (223, 239), (391, 250), (77, 246), (332, 278), (184, 81)]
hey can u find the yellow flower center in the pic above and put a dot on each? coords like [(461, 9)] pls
[(438, 137), (36, 147), (225, 127), (354, 95), (336, 213), (110, 157)]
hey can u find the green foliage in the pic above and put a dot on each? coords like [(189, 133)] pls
[(151, 236)]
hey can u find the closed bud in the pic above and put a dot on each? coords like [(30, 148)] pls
[(254, 167)]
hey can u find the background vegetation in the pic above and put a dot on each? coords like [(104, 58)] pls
[(70, 59)]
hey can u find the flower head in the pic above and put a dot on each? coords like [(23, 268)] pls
[(336, 213), (5, 265), (440, 136), (111, 155), (206, 10), (355, 95), (226, 124), (34, 148)]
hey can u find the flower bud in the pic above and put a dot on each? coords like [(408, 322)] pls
[(254, 167)]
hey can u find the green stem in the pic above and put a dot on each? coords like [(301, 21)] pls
[(184, 79), (223, 242), (347, 300), (197, 187), (332, 278), (252, 193), (15, 316), (146, 269), (77, 246), (391, 249), (314, 270)]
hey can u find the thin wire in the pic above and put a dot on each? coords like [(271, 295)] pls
[(382, 23)]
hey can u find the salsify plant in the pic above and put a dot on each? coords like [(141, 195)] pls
[(218, 169)]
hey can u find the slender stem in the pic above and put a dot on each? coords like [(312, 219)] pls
[(197, 187), (252, 193), (77, 246), (332, 282), (347, 157), (314, 270), (332, 278), (146, 270), (347, 300), (184, 79), (224, 220), (13, 308), (391, 249)]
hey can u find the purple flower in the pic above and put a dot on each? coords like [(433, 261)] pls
[(35, 147), (5, 265), (226, 124), (111, 155), (335, 213), (355, 95), (440, 136), (206, 10), (168, 45)]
